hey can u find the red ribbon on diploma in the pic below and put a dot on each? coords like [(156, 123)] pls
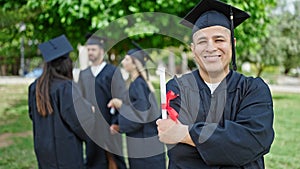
[(172, 112)]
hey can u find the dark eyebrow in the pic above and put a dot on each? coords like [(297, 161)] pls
[(201, 38), (219, 36)]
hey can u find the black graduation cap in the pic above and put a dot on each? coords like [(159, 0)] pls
[(139, 53), (55, 48), (212, 13), (95, 40)]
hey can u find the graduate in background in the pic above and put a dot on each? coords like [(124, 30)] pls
[(99, 83), (60, 116), (225, 118), (138, 113)]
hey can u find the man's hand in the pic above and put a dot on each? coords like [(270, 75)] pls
[(115, 103), (171, 132), (114, 129)]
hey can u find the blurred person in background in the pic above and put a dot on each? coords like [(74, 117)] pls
[(99, 83), (138, 114), (59, 114)]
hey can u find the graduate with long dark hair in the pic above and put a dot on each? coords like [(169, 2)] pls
[(59, 115)]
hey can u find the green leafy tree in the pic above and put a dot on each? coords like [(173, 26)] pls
[(289, 26), (76, 18), (12, 14), (281, 45), (252, 34)]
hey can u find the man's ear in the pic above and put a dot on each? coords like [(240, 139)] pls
[(234, 42), (102, 51), (192, 47)]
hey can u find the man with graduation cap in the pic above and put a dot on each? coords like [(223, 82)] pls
[(57, 110), (99, 83), (138, 114), (225, 118)]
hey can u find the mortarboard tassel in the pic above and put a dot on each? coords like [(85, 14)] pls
[(232, 40)]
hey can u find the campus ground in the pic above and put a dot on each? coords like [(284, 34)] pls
[(284, 83)]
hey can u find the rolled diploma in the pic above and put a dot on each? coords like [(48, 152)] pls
[(163, 91)]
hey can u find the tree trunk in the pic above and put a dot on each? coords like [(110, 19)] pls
[(3, 69), (260, 68), (286, 71), (259, 72)]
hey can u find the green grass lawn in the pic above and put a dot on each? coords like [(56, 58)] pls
[(286, 147), (16, 144)]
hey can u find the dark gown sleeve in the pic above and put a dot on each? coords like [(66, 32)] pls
[(242, 140), (245, 139), (118, 86), (77, 112), (175, 103), (118, 90), (80, 83), (135, 112), (30, 99)]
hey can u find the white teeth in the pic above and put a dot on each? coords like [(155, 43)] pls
[(212, 56)]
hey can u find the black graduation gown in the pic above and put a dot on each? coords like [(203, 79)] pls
[(99, 91), (232, 128), (58, 137), (137, 119)]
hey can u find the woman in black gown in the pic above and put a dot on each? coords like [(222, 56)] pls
[(59, 115), (138, 114)]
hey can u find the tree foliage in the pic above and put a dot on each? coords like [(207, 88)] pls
[(12, 14), (253, 32), (289, 25), (281, 45), (47, 19)]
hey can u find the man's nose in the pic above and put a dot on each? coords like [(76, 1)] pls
[(210, 46)]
